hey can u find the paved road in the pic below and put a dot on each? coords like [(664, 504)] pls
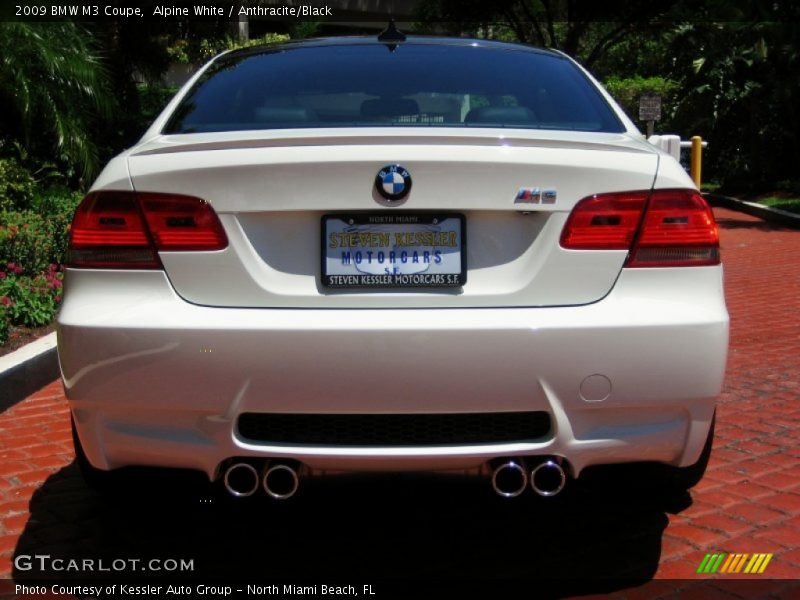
[(748, 502)]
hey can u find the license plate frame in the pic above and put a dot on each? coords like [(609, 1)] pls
[(406, 273)]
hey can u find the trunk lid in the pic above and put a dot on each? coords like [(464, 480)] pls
[(271, 191)]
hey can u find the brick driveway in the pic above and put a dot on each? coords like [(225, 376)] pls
[(748, 502)]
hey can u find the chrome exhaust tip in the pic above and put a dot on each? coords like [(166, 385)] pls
[(548, 478), (280, 481), (241, 480), (509, 479)]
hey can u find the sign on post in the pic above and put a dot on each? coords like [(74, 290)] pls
[(650, 110)]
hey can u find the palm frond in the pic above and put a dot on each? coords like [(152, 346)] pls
[(52, 77)]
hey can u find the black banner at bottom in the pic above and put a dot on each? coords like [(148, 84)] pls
[(361, 587)]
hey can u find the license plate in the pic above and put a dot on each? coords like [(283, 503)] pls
[(393, 250)]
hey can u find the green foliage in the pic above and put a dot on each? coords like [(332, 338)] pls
[(152, 100), (627, 92), (32, 239), (270, 38), (191, 51), (52, 89), (33, 243), (57, 207), (30, 301), (740, 83), (17, 185), (782, 202), (179, 51), (24, 241), (4, 320), (21, 178), (638, 55), (709, 187), (584, 30), (304, 29)]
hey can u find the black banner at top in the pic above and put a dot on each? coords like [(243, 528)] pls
[(403, 11), (149, 10)]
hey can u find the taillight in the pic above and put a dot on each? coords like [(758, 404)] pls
[(604, 222), (678, 230), (663, 228), (119, 230), (182, 223), (108, 232)]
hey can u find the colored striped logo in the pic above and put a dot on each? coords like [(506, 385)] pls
[(734, 563)]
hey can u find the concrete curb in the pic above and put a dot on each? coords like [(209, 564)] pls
[(771, 215), (26, 370)]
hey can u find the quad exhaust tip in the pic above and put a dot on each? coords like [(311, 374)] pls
[(241, 480), (548, 478), (280, 481), (509, 479)]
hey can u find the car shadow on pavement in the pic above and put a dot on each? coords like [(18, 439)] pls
[(600, 535), (728, 223)]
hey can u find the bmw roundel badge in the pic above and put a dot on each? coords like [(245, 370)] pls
[(393, 182)]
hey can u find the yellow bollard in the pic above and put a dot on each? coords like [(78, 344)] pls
[(697, 158)]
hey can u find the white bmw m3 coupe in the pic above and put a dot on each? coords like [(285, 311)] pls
[(426, 254)]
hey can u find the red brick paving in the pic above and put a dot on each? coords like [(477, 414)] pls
[(754, 474), (23, 441), (748, 502)]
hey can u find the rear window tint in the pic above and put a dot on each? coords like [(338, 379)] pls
[(366, 85)]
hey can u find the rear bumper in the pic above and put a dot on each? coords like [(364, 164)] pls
[(154, 380)]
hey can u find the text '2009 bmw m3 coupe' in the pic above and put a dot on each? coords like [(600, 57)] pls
[(426, 255)]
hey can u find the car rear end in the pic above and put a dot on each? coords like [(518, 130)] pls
[(321, 258)]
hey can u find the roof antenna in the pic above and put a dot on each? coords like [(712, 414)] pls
[(391, 35)]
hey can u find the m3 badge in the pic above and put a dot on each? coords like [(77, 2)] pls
[(535, 195)]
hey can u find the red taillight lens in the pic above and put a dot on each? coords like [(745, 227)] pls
[(182, 223), (118, 230), (604, 222), (108, 232), (677, 228)]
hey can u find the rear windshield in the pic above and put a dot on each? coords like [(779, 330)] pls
[(367, 85)]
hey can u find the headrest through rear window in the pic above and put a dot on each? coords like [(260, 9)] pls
[(287, 114), (389, 107), (501, 115)]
